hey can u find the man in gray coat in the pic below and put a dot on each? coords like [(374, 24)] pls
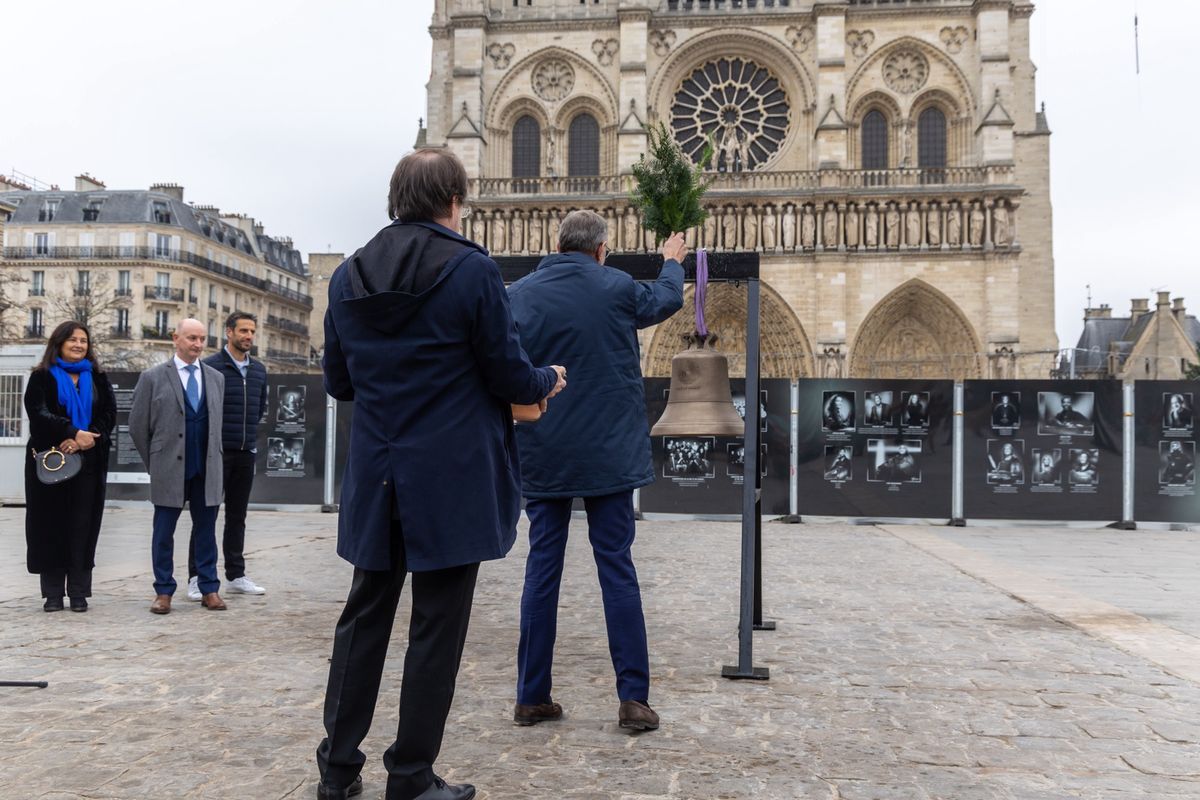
[(169, 423)]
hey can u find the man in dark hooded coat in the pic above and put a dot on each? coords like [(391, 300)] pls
[(420, 338)]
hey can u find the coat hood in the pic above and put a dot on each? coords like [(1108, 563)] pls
[(391, 277)]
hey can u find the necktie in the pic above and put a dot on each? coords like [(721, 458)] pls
[(193, 388)]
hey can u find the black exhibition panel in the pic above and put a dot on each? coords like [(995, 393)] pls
[(703, 474), (290, 465), (1164, 487), (875, 448), (1042, 449)]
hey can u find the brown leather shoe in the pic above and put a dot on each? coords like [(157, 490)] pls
[(637, 716), (532, 715), (161, 604), (213, 602)]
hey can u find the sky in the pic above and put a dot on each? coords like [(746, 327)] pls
[(295, 112)]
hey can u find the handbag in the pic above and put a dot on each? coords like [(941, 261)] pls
[(54, 466)]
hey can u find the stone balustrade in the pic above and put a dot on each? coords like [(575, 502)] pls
[(784, 182), (954, 221)]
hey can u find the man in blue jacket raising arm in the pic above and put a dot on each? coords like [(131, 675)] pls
[(593, 443), (419, 336)]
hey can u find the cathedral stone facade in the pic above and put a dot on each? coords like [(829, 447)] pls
[(886, 158)]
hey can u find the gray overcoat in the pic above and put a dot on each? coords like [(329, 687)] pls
[(156, 425)]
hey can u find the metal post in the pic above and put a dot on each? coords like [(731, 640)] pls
[(794, 458), (328, 504), (751, 499), (1127, 439), (956, 498), (637, 504)]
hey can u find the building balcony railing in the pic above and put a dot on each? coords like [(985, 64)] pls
[(35, 331), (212, 342), (37, 291), (123, 291), (122, 332), (156, 334), (212, 304), (164, 294), (133, 254), (290, 294), (193, 300), (734, 183), (727, 6), (285, 357), (82, 291), (288, 325)]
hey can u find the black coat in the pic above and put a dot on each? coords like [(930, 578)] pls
[(49, 424)]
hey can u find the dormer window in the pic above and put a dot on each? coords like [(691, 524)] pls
[(49, 210), (91, 211), (161, 213)]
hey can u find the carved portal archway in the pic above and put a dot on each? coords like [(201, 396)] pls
[(785, 349), (916, 332)]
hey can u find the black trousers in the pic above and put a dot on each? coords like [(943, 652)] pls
[(441, 612), (239, 480)]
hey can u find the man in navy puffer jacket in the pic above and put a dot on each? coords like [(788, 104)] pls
[(245, 407)]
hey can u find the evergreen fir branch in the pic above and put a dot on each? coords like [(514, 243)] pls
[(668, 187)]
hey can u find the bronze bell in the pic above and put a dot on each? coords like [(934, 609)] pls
[(700, 402)]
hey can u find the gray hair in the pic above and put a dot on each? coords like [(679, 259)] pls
[(582, 232)]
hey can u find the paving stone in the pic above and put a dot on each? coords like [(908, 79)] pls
[(894, 676)]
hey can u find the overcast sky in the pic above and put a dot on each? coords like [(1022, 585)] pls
[(295, 112)]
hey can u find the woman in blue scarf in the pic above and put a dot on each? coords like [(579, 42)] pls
[(71, 406)]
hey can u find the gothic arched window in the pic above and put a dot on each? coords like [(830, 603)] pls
[(526, 148), (931, 139), (874, 140), (583, 143)]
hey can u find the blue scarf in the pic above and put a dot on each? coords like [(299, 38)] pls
[(78, 403)]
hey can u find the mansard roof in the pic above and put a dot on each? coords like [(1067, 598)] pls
[(149, 207)]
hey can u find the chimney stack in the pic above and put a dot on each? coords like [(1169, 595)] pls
[(173, 190), (1164, 301), (12, 185), (1180, 310), (1103, 312), (1140, 305), (86, 183)]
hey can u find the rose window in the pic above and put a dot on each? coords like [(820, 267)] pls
[(905, 71), (737, 104), (553, 79)]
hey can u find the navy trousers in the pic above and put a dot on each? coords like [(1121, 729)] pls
[(611, 531), (204, 540)]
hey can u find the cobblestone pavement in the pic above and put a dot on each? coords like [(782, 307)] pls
[(894, 675)]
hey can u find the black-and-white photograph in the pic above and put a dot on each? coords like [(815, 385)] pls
[(689, 457), (1066, 413), (291, 404), (1006, 410), (739, 402), (1177, 411), (1047, 467), (839, 466), (1178, 463), (1084, 466), (878, 411), (735, 466), (837, 411), (914, 409), (894, 461), (1006, 462), (285, 454)]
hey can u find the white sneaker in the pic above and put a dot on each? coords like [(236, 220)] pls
[(244, 585), (194, 588)]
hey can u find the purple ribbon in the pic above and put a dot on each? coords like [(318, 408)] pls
[(701, 289)]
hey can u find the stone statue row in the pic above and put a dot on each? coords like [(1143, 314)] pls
[(981, 224)]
